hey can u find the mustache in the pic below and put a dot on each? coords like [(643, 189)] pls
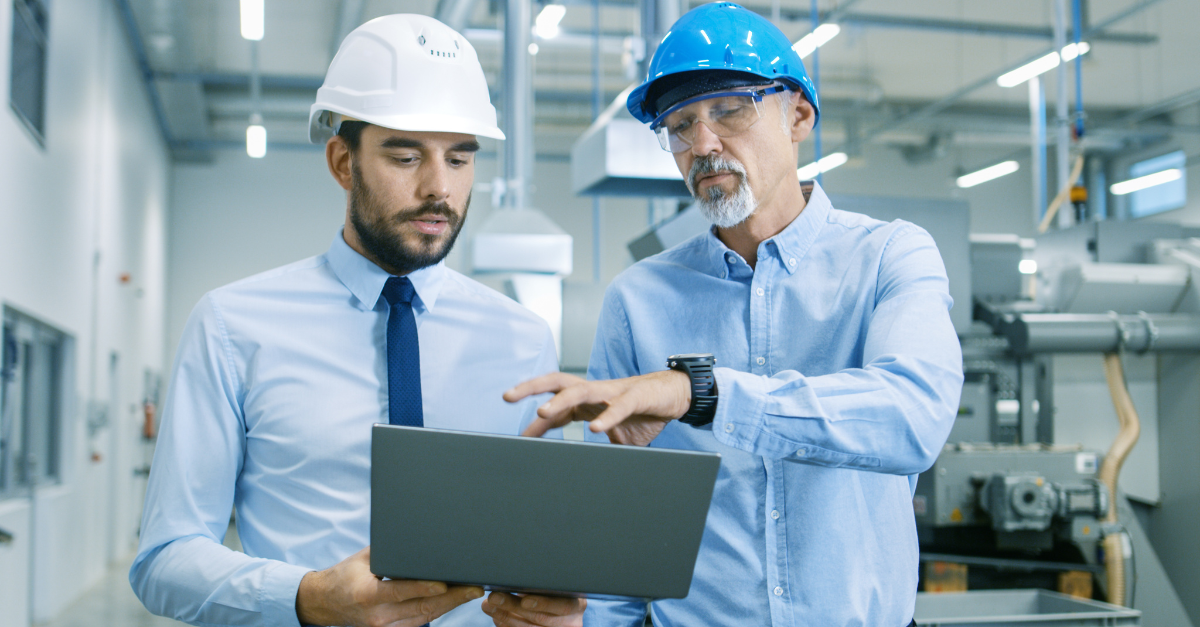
[(712, 164), (440, 209)]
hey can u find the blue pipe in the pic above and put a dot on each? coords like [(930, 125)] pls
[(1077, 9), (815, 75)]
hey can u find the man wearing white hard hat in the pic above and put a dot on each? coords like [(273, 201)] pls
[(280, 377)]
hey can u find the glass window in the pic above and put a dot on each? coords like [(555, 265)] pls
[(31, 403), (27, 87)]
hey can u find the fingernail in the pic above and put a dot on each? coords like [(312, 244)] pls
[(529, 603), (496, 599), (476, 593), (436, 588)]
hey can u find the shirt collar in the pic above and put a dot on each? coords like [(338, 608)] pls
[(790, 244), (365, 280)]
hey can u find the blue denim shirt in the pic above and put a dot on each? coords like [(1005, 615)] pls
[(839, 374)]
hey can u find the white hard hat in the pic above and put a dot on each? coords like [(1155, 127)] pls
[(408, 73)]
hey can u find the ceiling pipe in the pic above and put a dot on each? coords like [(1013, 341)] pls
[(517, 102)]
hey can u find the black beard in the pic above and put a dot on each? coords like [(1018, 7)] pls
[(381, 237)]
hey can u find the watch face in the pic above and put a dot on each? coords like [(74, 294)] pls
[(692, 356)]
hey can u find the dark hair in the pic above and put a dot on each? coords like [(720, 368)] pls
[(351, 133)]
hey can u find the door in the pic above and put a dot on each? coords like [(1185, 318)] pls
[(31, 376)]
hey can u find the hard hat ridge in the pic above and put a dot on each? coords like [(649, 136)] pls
[(405, 72)]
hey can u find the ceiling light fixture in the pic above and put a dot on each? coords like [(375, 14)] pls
[(546, 23), (825, 164), (1042, 64), (256, 138), (819, 37), (252, 19), (1143, 182), (987, 174)]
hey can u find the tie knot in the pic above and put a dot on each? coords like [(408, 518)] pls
[(398, 289)]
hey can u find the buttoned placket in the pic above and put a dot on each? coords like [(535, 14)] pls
[(767, 272)]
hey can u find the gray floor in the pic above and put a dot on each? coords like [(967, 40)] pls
[(110, 603)]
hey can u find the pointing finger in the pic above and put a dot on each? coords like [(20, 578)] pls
[(553, 382)]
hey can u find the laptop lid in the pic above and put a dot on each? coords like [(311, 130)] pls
[(535, 515)]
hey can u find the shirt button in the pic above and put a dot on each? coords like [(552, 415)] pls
[(729, 428), (759, 291), (729, 257), (802, 452), (791, 262), (775, 514), (778, 591), (761, 361)]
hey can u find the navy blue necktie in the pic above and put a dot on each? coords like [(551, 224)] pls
[(403, 355)]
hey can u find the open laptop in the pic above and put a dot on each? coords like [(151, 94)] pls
[(541, 516)]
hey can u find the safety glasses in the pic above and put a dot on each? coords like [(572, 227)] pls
[(725, 113)]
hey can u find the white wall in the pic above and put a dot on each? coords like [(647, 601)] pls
[(77, 214)]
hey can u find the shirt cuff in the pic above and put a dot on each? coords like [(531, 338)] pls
[(739, 416), (280, 584)]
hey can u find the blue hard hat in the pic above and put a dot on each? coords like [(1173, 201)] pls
[(718, 46)]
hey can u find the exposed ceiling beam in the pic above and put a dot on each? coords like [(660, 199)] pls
[(962, 27), (935, 107)]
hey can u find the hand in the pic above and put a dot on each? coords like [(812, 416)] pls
[(508, 610), (630, 411), (349, 594)]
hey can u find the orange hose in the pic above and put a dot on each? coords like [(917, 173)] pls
[(1110, 471)]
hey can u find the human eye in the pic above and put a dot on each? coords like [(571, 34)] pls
[(679, 125), (405, 159), (458, 161)]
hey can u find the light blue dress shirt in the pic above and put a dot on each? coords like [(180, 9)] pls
[(838, 378), (278, 381)]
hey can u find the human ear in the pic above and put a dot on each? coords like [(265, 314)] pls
[(805, 116), (339, 159)]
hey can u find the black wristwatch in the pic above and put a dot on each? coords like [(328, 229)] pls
[(698, 367)]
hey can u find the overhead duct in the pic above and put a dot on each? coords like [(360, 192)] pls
[(619, 156)]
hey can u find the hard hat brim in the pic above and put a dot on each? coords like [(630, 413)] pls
[(320, 132)]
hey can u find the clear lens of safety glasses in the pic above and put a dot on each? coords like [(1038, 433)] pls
[(725, 114)]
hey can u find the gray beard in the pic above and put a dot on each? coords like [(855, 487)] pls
[(723, 209)]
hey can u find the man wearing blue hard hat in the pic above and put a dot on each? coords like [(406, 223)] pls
[(811, 347)]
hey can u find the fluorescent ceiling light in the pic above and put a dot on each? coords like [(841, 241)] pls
[(546, 23), (1042, 64), (825, 164), (1027, 266), (1142, 182), (256, 141), (1069, 51), (819, 37), (252, 19), (987, 174)]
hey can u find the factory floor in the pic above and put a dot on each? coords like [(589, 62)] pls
[(110, 603)]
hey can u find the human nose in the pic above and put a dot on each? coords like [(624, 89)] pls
[(435, 181), (705, 142)]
